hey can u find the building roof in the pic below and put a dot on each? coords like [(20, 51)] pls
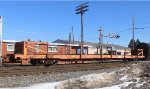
[(65, 42), (10, 41), (60, 41), (90, 44)]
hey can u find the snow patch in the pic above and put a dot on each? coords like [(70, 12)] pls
[(38, 86), (140, 84), (89, 81), (124, 78), (116, 86)]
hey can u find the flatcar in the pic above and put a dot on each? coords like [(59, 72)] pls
[(41, 53), (44, 53)]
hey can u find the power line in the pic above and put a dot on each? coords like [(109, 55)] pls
[(120, 32), (124, 30), (131, 29)]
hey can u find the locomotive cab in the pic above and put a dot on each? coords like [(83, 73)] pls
[(146, 49)]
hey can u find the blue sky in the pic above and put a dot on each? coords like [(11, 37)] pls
[(51, 20)]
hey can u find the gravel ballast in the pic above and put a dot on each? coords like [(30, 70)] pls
[(24, 81), (135, 76)]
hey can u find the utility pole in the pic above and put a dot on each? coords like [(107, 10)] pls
[(1, 40), (72, 36), (101, 36), (100, 40), (69, 43), (69, 38), (133, 32), (80, 10)]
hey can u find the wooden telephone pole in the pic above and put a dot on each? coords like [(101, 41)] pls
[(81, 9), (133, 32), (1, 41), (100, 40)]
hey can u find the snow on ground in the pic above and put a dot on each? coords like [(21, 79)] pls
[(100, 78), (116, 86), (124, 78), (52, 86), (38, 86), (89, 81)]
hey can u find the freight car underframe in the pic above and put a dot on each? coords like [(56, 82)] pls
[(48, 59)]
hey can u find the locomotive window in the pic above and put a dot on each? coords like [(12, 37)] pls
[(52, 49), (10, 47)]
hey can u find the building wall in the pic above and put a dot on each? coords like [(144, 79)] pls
[(128, 52), (43, 49), (74, 50), (93, 50), (5, 52), (60, 50), (63, 49)]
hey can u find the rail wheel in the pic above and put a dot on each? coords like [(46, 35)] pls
[(33, 62), (47, 62), (43, 62)]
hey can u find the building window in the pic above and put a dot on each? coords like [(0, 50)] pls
[(52, 48), (37, 48), (85, 50), (10, 47), (118, 53)]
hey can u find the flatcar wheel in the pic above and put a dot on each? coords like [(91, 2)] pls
[(33, 62), (147, 58), (48, 62), (37, 64), (55, 61), (125, 60)]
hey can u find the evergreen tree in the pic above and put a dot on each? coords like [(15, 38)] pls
[(131, 43), (137, 42)]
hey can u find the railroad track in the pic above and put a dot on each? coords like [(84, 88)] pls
[(26, 70)]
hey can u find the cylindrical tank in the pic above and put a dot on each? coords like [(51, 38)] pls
[(146, 49)]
